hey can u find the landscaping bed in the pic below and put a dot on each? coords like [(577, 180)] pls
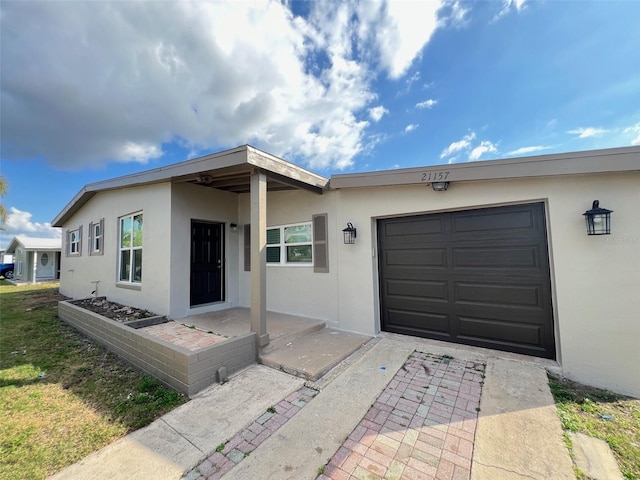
[(131, 316)]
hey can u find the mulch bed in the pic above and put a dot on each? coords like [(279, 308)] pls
[(113, 310)]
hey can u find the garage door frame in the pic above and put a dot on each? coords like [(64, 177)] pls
[(548, 330)]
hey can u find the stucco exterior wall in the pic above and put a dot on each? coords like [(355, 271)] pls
[(297, 289), (595, 280), (77, 272), (193, 202)]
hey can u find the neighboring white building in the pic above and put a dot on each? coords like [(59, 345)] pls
[(501, 259), (35, 259)]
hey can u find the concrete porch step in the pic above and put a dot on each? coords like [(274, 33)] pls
[(312, 355), (281, 337)]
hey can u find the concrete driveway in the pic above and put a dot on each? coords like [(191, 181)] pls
[(401, 407)]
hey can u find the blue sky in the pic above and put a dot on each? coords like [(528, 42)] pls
[(94, 90)]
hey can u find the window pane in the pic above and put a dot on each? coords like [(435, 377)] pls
[(137, 231), (125, 262), (273, 254), (273, 236), (297, 234), (137, 265), (299, 254), (96, 230), (125, 232)]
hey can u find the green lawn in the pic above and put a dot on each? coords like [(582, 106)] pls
[(601, 414), (61, 395)]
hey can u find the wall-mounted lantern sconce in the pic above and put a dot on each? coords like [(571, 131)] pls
[(439, 186), (234, 227), (349, 234), (598, 220)]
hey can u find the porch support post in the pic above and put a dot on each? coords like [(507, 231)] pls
[(35, 266), (259, 257)]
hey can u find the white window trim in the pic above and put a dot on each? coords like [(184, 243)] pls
[(130, 282), (70, 243), (93, 237), (283, 246)]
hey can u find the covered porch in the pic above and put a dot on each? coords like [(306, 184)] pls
[(298, 345)]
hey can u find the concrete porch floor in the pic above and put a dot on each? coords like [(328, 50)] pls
[(297, 345)]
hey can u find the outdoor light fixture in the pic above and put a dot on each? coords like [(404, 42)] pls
[(349, 234), (598, 220), (234, 227), (439, 186)]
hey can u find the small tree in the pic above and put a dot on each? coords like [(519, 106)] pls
[(3, 211)]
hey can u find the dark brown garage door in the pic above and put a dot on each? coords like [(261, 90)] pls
[(478, 277)]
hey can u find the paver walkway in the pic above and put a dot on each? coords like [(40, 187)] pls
[(422, 426), (229, 454), (183, 336)]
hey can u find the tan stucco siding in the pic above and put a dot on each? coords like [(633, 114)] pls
[(297, 290), (193, 202), (77, 272), (596, 280)]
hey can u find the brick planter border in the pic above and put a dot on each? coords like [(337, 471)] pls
[(185, 370)]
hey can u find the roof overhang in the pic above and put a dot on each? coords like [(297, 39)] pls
[(34, 244), (229, 170), (593, 161)]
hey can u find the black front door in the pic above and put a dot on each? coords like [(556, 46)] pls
[(207, 264)]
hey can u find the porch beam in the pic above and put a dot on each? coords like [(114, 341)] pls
[(259, 256)]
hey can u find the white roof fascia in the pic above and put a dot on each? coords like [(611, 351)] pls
[(34, 243), (594, 161), (244, 155)]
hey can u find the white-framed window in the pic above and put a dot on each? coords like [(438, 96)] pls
[(96, 236), (74, 242), (290, 244), (130, 248)]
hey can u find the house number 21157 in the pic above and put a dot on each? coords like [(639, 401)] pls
[(434, 176)]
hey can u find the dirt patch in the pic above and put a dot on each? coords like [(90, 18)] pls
[(113, 310), (43, 298)]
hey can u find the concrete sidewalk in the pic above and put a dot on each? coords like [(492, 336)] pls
[(517, 432)]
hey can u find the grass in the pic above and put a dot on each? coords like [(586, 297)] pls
[(602, 414), (62, 395)]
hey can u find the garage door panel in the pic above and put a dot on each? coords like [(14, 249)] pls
[(418, 289), (484, 273), (406, 229), (431, 257), (504, 332), (427, 322), (498, 295), (490, 221), (505, 258)]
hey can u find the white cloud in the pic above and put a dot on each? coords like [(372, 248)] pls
[(125, 78), (430, 103), (465, 146), (509, 6), (410, 128), (401, 31), (481, 149), (19, 223), (587, 132), (376, 113), (525, 150), (453, 13), (459, 146), (634, 130)]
